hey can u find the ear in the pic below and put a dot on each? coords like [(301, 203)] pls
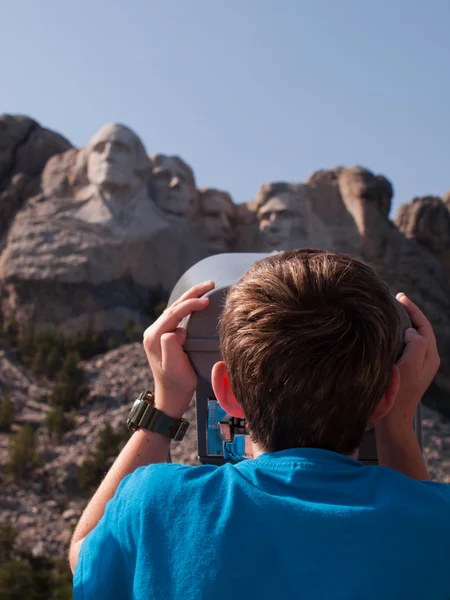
[(223, 392), (388, 399)]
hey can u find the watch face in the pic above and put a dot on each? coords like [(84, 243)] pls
[(131, 422)]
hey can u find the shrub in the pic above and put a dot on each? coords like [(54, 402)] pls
[(35, 579), (68, 390), (39, 360), (158, 301), (41, 572), (11, 332), (45, 352), (16, 581), (6, 413), (22, 452), (158, 309), (26, 346), (53, 362), (63, 582), (70, 372), (90, 474), (112, 343), (8, 536), (130, 331), (98, 461), (87, 345), (108, 444), (58, 423)]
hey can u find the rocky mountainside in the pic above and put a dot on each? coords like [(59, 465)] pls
[(45, 507), (102, 233)]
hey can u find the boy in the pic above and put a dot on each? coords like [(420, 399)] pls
[(310, 341)]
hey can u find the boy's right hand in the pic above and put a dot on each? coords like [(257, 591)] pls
[(174, 377), (417, 366)]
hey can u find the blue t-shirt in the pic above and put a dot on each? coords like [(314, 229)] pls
[(307, 524)]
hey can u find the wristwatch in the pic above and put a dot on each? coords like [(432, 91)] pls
[(144, 414)]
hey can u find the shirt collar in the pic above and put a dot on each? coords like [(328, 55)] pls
[(307, 457)]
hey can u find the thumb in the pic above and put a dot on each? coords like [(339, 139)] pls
[(415, 350), (411, 334), (173, 338), (180, 332), (171, 341)]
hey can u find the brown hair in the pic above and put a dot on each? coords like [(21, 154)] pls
[(309, 339)]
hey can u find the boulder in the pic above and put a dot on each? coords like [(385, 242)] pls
[(427, 220), (25, 147)]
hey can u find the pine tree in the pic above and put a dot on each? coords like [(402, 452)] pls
[(63, 581), (70, 372), (22, 452), (98, 461), (6, 413), (53, 363), (107, 445), (58, 423), (68, 389), (25, 576), (16, 581), (130, 331), (26, 346), (39, 360), (8, 536), (11, 332)]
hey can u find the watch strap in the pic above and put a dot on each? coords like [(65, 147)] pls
[(144, 414)]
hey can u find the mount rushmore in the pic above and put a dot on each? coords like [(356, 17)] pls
[(92, 237)]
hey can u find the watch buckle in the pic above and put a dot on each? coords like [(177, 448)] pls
[(180, 433)]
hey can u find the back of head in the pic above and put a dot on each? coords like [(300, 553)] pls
[(309, 339)]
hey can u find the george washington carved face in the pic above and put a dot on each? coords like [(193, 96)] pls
[(115, 157)]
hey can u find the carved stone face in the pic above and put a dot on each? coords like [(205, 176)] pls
[(216, 214), (278, 221), (172, 188), (113, 158)]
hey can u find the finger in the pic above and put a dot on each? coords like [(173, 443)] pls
[(195, 292), (415, 350), (170, 319), (418, 319)]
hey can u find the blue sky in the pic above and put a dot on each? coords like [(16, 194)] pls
[(247, 91)]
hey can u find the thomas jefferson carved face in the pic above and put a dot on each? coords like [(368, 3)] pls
[(114, 155), (172, 185)]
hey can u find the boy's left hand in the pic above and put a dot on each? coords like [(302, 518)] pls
[(175, 379)]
